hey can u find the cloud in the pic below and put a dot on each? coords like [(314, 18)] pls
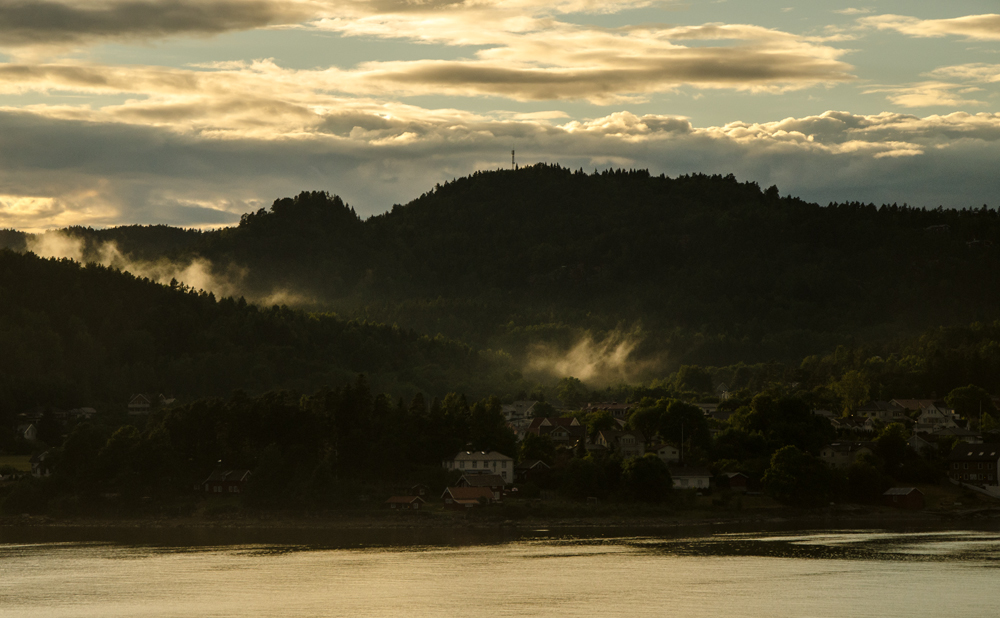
[(33, 22), (973, 72), (928, 94), (564, 62), (58, 171), (853, 11), (974, 27)]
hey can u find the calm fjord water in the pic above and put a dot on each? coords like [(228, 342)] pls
[(775, 575)]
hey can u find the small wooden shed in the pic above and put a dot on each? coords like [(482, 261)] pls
[(909, 498)]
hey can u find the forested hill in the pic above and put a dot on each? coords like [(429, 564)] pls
[(709, 268), (75, 335)]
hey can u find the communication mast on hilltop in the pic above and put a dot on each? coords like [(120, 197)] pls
[(513, 165)]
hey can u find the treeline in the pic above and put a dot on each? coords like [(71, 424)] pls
[(715, 270), (318, 451)]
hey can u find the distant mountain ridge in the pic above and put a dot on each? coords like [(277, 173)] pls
[(711, 269)]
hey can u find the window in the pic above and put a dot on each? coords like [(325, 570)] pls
[(474, 464), (461, 464), (504, 465)]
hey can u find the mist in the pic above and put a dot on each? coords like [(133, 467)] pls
[(597, 361), (197, 272)]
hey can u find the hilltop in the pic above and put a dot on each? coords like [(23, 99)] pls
[(706, 268)]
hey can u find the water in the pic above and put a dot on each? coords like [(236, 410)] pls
[(813, 574)]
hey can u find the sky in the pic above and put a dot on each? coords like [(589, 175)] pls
[(192, 112)]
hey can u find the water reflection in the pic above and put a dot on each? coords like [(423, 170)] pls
[(820, 573)]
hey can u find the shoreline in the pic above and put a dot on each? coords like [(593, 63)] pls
[(830, 517)]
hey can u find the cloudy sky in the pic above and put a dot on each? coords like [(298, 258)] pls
[(191, 112)]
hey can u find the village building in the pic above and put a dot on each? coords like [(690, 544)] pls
[(691, 478), (139, 405), (519, 416), (494, 482), (939, 417), (617, 410), (462, 498), (738, 481), (919, 444), (481, 462), (518, 410), (226, 482), (909, 498), (40, 465), (628, 443), (884, 411), (974, 463), (529, 471), (842, 454), (852, 425), (965, 435), (562, 430), (668, 453), (405, 503), (707, 408)]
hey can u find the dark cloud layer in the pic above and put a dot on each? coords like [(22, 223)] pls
[(94, 173), (40, 23)]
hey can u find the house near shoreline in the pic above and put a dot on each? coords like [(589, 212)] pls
[(909, 498), (493, 482), (974, 463), (481, 462), (226, 482), (463, 498), (405, 503), (691, 478)]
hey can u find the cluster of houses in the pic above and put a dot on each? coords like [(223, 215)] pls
[(971, 463), (26, 423), (568, 432), (470, 491), (928, 419)]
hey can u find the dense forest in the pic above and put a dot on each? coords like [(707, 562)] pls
[(75, 335), (342, 352), (694, 269)]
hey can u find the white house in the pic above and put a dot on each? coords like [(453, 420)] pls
[(481, 462), (939, 417), (668, 453), (690, 478), (139, 404)]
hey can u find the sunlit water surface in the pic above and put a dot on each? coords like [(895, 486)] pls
[(815, 574)]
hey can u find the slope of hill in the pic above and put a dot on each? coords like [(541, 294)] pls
[(706, 268), (77, 335)]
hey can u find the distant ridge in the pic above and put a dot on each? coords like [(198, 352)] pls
[(713, 269)]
